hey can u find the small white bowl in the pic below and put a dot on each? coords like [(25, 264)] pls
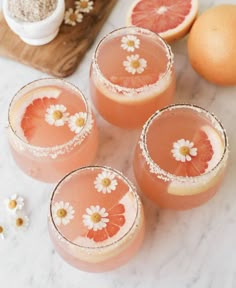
[(40, 32)]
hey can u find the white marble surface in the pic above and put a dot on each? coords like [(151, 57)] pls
[(192, 249)]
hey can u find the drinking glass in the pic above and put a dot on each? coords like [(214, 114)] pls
[(131, 76), (96, 220), (181, 156), (51, 130)]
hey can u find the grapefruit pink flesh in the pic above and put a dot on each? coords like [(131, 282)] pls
[(210, 149), (171, 19), (40, 99), (199, 163), (33, 115), (116, 220)]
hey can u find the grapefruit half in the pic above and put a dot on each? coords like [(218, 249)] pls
[(171, 19)]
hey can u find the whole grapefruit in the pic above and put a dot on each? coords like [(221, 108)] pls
[(212, 45)]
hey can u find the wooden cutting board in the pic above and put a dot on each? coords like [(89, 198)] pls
[(60, 57)]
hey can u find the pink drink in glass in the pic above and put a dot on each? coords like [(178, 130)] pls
[(96, 220), (52, 130), (131, 76), (181, 157)]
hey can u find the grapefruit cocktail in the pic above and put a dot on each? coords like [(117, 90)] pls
[(52, 130), (131, 76), (96, 220), (181, 156)]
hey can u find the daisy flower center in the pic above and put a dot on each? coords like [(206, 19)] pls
[(12, 204), (57, 115), (1, 229), (80, 122), (130, 43), (61, 213), (95, 217), (19, 222), (135, 64), (106, 182), (73, 17), (184, 150), (83, 4)]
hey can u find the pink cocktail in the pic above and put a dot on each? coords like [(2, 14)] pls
[(181, 156), (131, 76), (96, 220), (52, 130)]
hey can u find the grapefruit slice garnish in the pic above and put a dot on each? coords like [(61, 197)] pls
[(116, 220), (210, 149), (135, 81), (172, 19), (34, 114), (40, 100)]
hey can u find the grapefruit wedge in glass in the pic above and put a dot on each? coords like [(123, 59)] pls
[(171, 19), (210, 150)]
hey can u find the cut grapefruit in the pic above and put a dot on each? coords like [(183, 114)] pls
[(34, 114), (171, 19), (40, 99), (210, 149), (116, 220)]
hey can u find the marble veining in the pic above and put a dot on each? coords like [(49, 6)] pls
[(191, 249)]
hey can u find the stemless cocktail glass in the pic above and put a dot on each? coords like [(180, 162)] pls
[(52, 130), (131, 76), (96, 220), (181, 156)]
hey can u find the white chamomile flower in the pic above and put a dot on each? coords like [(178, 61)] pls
[(72, 17), (14, 203), (56, 115), (130, 43), (105, 182), (134, 64), (3, 230), (62, 213), (184, 150), (77, 121), (20, 222), (95, 218), (84, 6)]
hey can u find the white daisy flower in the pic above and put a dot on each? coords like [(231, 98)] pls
[(105, 182), (62, 213), (77, 121), (134, 64), (3, 231), (84, 6), (20, 222), (56, 115), (14, 203), (130, 43), (72, 17), (95, 218), (183, 150)]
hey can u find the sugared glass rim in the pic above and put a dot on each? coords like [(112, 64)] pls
[(119, 174), (52, 149), (165, 175), (133, 30)]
